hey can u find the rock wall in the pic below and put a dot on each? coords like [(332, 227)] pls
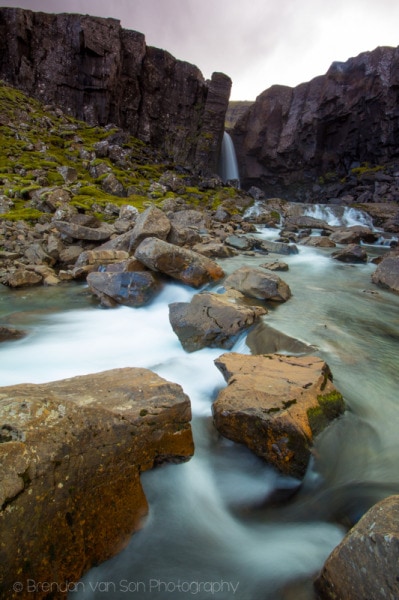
[(100, 73), (291, 139)]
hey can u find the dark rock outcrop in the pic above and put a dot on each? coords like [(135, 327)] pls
[(100, 73), (276, 405), (72, 452), (365, 564), (213, 320), (292, 138)]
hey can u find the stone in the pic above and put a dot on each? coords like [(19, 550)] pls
[(213, 320), (350, 254), (365, 564), (191, 218), (276, 405), (36, 255), (130, 288), (354, 235), (318, 241), (255, 283), (91, 260), (274, 247), (263, 339), (80, 232), (22, 278), (69, 174), (111, 185), (77, 447), (151, 223), (276, 265), (238, 242), (214, 250), (183, 236), (10, 333), (182, 264), (387, 273)]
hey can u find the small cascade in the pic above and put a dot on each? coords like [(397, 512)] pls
[(228, 169), (339, 216)]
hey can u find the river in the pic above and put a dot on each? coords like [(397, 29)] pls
[(215, 528)]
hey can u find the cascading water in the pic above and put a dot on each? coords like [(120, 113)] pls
[(339, 216), (228, 169), (211, 532)]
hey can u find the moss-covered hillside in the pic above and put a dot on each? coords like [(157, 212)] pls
[(101, 168)]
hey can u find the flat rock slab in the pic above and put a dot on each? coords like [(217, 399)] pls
[(72, 452), (276, 405), (365, 564)]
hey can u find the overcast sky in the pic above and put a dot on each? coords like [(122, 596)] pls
[(256, 42)]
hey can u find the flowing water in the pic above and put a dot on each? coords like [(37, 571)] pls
[(228, 161), (216, 528)]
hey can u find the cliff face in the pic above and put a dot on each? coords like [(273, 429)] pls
[(98, 72), (290, 137)]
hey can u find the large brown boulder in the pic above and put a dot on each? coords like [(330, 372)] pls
[(72, 452), (365, 564), (180, 263), (255, 283), (387, 273), (276, 405), (214, 320), (353, 253), (151, 223), (354, 235)]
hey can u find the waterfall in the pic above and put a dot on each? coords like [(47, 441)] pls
[(339, 216), (228, 168)]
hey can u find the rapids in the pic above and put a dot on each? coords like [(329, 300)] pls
[(216, 527)]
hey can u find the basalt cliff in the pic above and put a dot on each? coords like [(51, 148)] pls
[(101, 73), (334, 136)]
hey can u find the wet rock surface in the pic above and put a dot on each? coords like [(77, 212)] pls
[(77, 446)]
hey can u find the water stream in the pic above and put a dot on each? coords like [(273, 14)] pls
[(215, 529)]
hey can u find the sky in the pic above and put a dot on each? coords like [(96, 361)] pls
[(258, 43)]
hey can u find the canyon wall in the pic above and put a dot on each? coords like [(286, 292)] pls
[(291, 139), (101, 73)]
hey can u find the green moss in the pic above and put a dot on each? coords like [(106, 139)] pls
[(22, 214), (331, 405)]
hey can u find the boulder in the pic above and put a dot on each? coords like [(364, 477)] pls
[(72, 452), (318, 241), (255, 283), (10, 333), (215, 250), (22, 278), (238, 242), (91, 260), (365, 564), (274, 247), (350, 254), (387, 273), (190, 218), (184, 265), (275, 265), (129, 288), (276, 405), (81, 232), (354, 235), (151, 223), (183, 236), (213, 320)]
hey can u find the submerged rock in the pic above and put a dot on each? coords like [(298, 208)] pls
[(213, 320), (72, 452), (365, 564), (184, 265), (276, 405)]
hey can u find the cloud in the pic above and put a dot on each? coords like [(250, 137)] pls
[(257, 43)]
